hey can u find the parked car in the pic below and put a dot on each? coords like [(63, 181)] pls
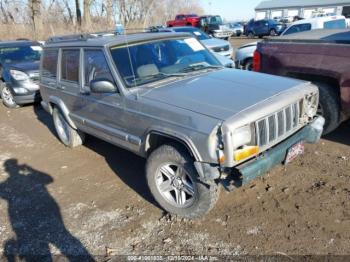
[(215, 45), (214, 26), (237, 29), (263, 27), (19, 72), (168, 99), (319, 56), (244, 54), (184, 20), (326, 22)]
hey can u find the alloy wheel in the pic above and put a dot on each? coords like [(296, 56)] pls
[(175, 185)]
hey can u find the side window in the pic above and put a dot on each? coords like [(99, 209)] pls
[(298, 28), (335, 24), (96, 67), (49, 64), (70, 65)]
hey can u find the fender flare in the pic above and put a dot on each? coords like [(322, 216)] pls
[(64, 110), (184, 140)]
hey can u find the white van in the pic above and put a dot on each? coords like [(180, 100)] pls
[(325, 22)]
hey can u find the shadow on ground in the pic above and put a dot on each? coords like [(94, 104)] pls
[(35, 218), (129, 167), (341, 135)]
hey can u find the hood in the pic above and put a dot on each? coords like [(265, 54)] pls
[(27, 67), (249, 45), (221, 94), (214, 42)]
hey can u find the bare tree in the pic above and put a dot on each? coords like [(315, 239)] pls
[(87, 14), (78, 12), (35, 15), (109, 12)]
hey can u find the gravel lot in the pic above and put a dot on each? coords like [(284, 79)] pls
[(93, 201)]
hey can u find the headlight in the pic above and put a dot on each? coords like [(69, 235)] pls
[(242, 136), (19, 75), (20, 90), (311, 105)]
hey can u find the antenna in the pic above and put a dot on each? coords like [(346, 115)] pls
[(129, 55)]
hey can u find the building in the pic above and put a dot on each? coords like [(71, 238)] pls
[(304, 8)]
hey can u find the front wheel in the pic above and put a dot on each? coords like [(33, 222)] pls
[(68, 136), (273, 32), (329, 107), (7, 96), (173, 181)]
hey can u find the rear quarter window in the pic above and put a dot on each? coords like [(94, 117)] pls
[(335, 24), (49, 63)]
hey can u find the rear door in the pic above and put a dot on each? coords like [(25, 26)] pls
[(69, 80)]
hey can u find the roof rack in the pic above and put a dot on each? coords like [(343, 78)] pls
[(80, 37)]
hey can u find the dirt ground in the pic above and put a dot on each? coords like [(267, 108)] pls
[(55, 200)]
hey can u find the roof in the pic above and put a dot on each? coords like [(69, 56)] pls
[(17, 43), (341, 36), (274, 4), (114, 40)]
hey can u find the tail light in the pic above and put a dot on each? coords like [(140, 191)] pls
[(257, 61)]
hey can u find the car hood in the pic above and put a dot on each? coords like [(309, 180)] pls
[(31, 66), (214, 42), (221, 94)]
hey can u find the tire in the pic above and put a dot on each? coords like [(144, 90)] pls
[(251, 35), (7, 96), (172, 168), (248, 65), (273, 32), (68, 136), (329, 107)]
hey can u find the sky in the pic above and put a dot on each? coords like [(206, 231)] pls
[(231, 9)]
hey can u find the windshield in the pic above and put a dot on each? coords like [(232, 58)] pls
[(216, 20), (154, 61), (200, 35), (20, 53)]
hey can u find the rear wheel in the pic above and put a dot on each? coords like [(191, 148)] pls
[(173, 181), (251, 35), (7, 96), (329, 107), (68, 136), (248, 65)]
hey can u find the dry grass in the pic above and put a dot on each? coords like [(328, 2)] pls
[(16, 31)]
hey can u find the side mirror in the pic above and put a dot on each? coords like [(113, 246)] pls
[(102, 86)]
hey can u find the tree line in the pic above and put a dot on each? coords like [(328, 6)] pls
[(52, 16)]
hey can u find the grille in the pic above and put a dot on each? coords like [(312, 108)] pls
[(221, 48), (275, 126)]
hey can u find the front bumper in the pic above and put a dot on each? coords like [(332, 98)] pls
[(266, 161), (259, 166), (223, 34), (27, 98)]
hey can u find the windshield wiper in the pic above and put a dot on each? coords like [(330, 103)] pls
[(197, 67)]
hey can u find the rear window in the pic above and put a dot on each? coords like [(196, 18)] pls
[(335, 24), (70, 65), (49, 66)]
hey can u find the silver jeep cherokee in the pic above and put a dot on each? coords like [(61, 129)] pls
[(165, 97)]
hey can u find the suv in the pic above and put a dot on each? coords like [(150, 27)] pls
[(264, 27), (19, 72), (214, 26), (165, 97)]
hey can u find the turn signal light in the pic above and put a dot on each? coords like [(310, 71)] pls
[(246, 152)]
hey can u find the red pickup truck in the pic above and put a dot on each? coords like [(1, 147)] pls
[(184, 20), (318, 56)]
